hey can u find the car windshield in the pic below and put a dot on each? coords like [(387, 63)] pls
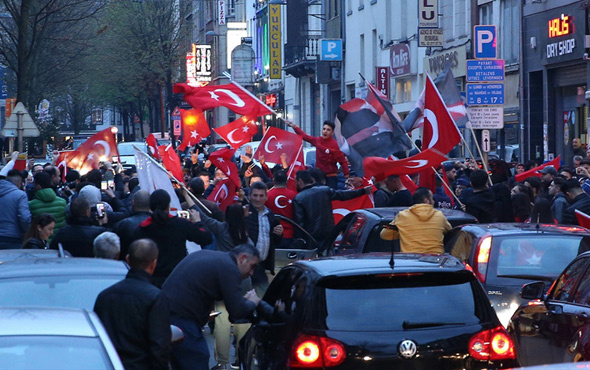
[(128, 149), (535, 256), (55, 291), (403, 302), (52, 352)]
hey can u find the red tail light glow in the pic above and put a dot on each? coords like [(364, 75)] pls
[(314, 351), (482, 257), (491, 345)]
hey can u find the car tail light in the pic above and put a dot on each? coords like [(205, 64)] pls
[(482, 256), (314, 351), (491, 345)]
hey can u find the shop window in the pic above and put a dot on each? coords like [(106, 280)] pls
[(486, 14), (403, 90)]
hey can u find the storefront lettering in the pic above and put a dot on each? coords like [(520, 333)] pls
[(438, 63), (561, 48)]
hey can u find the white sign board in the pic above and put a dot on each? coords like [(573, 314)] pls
[(221, 12), (428, 14), (485, 140), (28, 126), (430, 37), (486, 117)]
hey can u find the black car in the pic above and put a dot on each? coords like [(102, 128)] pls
[(358, 231), (359, 312), (556, 327), (504, 256)]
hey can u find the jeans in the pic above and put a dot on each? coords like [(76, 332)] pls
[(192, 352)]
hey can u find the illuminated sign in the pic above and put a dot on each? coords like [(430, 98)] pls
[(271, 100), (274, 29), (561, 26)]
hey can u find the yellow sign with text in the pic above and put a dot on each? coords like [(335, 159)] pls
[(275, 43)]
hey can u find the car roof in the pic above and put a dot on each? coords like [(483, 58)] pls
[(45, 321), (62, 267), (508, 228), (378, 263), (389, 213), (25, 254)]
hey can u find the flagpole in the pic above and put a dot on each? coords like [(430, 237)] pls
[(193, 197), (253, 97), (485, 166)]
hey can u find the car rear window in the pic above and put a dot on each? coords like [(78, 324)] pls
[(534, 256), (404, 301), (55, 291), (53, 352)]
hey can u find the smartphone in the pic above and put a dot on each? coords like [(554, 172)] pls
[(184, 214), (100, 209), (111, 183), (103, 185)]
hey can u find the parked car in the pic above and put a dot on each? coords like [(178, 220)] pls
[(26, 254), (58, 282), (127, 152), (360, 312), (358, 231), (303, 246), (52, 338), (555, 327), (504, 256)]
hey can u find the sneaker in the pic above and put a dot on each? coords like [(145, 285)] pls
[(236, 364), (220, 367)]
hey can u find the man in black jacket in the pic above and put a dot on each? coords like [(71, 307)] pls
[(135, 314), (313, 205), (579, 201), (78, 235), (266, 232), (126, 227), (479, 201)]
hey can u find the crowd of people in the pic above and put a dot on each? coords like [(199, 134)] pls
[(105, 214)]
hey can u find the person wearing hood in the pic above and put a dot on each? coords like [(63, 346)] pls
[(93, 195), (15, 217), (420, 228), (479, 201), (46, 201)]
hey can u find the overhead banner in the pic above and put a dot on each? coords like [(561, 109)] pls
[(274, 39)]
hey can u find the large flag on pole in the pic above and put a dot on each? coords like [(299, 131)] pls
[(100, 147), (380, 168), (276, 142), (238, 132), (152, 176), (534, 172), (194, 128)]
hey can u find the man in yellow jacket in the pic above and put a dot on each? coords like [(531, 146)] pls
[(420, 228)]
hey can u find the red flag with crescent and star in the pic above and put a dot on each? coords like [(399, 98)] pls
[(276, 142), (152, 144), (534, 172), (280, 201), (238, 132), (341, 208), (297, 165), (100, 147), (223, 193), (171, 161), (232, 96), (62, 162), (380, 168), (440, 131), (194, 127), (222, 159)]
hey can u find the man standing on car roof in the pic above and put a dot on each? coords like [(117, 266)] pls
[(328, 154), (420, 228)]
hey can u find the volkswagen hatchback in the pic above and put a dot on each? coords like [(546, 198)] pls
[(359, 312)]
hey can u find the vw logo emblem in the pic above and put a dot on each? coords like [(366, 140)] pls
[(407, 348)]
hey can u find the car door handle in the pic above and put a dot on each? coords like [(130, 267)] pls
[(292, 255)]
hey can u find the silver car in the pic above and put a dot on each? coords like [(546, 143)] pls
[(54, 338)]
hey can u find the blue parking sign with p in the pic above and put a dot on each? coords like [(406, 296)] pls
[(331, 50), (485, 42)]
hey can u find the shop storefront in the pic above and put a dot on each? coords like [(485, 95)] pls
[(555, 80)]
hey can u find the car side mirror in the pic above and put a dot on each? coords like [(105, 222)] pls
[(177, 334), (533, 290)]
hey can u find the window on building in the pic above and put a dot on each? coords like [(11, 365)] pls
[(231, 7), (403, 91), (362, 53), (446, 9), (486, 14), (509, 26), (361, 4), (333, 9)]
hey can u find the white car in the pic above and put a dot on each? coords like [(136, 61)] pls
[(54, 338), (127, 152)]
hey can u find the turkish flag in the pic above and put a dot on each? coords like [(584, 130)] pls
[(342, 208), (296, 166), (583, 219), (194, 127), (534, 172), (428, 179), (171, 161), (62, 162), (238, 132), (380, 168), (408, 183), (222, 159), (280, 201), (99, 147), (152, 144), (440, 131), (223, 193), (232, 96), (276, 142)]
